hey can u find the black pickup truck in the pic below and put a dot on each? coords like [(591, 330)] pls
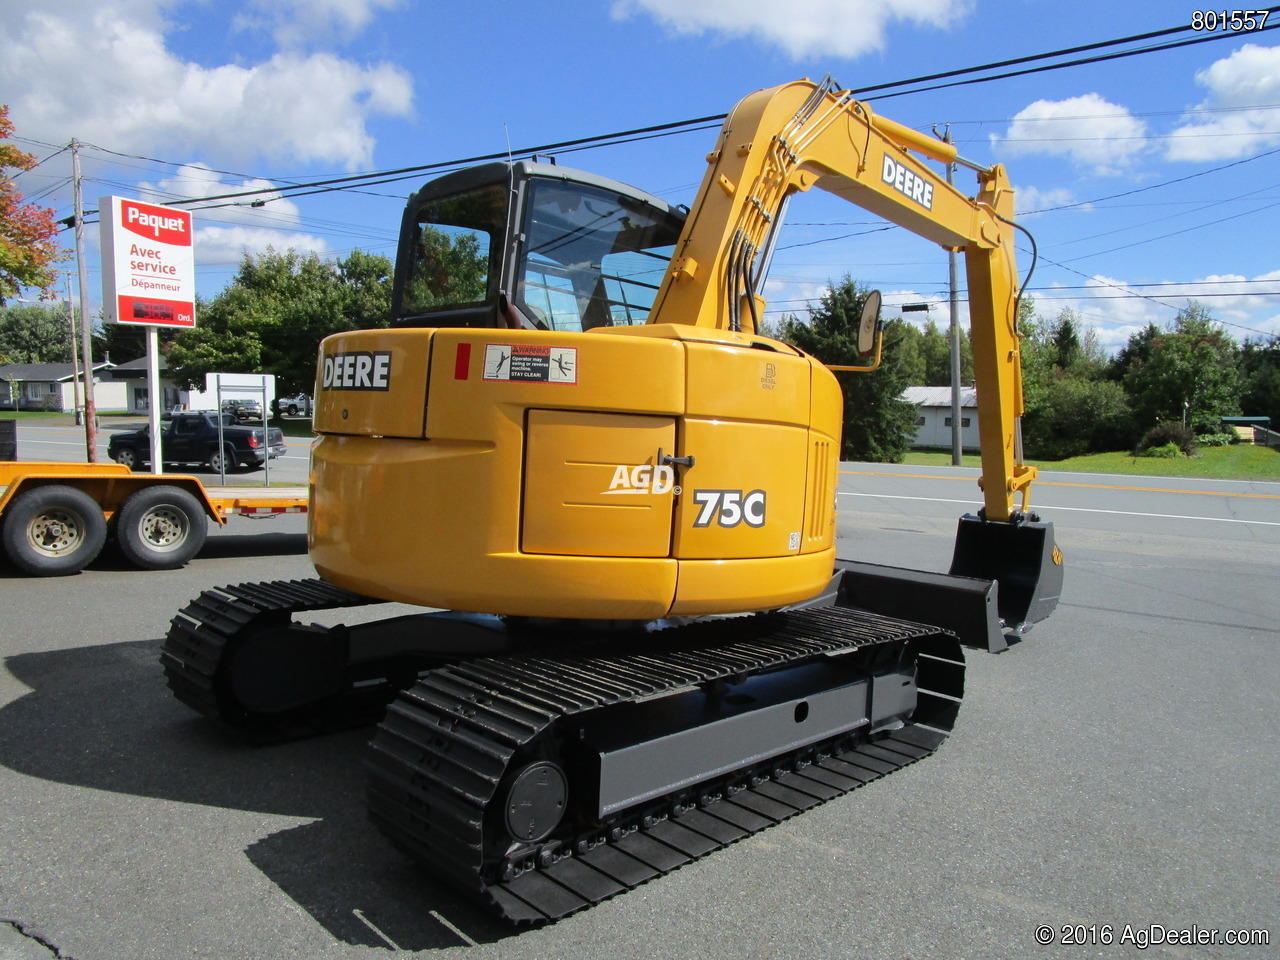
[(193, 438)]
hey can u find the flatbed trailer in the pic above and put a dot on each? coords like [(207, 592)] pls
[(56, 517)]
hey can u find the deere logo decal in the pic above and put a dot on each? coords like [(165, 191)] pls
[(907, 183), (357, 370)]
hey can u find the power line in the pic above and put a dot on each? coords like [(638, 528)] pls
[(1155, 186), (684, 126)]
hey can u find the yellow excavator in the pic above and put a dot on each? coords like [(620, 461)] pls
[(617, 499)]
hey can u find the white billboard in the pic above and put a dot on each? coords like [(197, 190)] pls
[(148, 263)]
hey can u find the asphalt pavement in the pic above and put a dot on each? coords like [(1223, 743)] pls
[(1111, 780)]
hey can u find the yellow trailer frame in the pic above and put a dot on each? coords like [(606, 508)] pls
[(55, 517)]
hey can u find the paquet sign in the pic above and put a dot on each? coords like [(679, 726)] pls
[(148, 263)]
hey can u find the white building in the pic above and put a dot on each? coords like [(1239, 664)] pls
[(933, 416), (49, 386)]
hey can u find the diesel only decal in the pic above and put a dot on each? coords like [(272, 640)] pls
[(357, 370), (907, 183)]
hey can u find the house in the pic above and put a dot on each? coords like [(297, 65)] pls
[(48, 386), (933, 416), (132, 377)]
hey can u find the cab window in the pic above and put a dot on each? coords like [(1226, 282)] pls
[(590, 257), (454, 247)]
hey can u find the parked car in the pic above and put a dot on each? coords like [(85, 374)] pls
[(193, 438), (243, 409), (294, 406)]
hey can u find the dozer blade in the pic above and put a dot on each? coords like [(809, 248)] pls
[(1021, 556), (963, 605)]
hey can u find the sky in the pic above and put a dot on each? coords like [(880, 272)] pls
[(1145, 180)]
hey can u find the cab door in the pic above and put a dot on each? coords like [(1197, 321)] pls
[(178, 440)]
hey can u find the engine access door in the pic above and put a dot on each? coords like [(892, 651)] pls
[(593, 484)]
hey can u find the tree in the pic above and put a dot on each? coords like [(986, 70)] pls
[(1071, 409), (275, 312), (121, 342), (878, 424), (1134, 353), (935, 347), (35, 334), (926, 355), (1066, 341), (911, 356), (1078, 415), (27, 248), (1260, 367), (1191, 375), (446, 270)]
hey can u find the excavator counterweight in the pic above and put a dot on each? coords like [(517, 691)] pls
[(616, 499)]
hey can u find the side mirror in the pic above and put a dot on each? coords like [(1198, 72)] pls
[(869, 325)]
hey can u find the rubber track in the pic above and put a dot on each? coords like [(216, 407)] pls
[(200, 632), (441, 753)]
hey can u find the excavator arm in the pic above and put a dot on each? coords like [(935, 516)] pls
[(791, 138)]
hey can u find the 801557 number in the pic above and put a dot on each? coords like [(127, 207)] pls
[(1237, 21)]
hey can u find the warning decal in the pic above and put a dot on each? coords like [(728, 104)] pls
[(530, 362)]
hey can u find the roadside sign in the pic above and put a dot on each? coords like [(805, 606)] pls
[(148, 263)]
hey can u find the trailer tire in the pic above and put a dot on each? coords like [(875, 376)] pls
[(161, 528), (53, 531)]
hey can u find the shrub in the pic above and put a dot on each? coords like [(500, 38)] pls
[(1169, 451), (1217, 439), (1165, 433), (1075, 416)]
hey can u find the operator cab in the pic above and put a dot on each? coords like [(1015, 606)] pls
[(531, 246)]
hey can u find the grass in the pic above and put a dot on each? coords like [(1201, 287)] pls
[(1241, 461), (54, 415), (294, 427)]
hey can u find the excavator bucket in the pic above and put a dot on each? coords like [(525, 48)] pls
[(1021, 556)]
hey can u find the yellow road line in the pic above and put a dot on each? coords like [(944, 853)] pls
[(1063, 483)]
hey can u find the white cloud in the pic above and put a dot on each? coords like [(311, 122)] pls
[(1032, 200), (1089, 130), (1110, 307), (224, 246), (841, 28), (296, 23), (1118, 310), (142, 98), (1240, 301), (1244, 83), (224, 233)]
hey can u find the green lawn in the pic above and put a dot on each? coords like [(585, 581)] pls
[(54, 416), (1241, 461)]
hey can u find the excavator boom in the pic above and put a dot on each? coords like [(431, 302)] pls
[(792, 138)]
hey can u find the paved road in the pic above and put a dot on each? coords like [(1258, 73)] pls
[(1114, 771)]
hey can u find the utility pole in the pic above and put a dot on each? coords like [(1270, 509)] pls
[(75, 350), (957, 446), (86, 345)]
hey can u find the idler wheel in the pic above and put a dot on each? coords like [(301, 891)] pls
[(536, 802)]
